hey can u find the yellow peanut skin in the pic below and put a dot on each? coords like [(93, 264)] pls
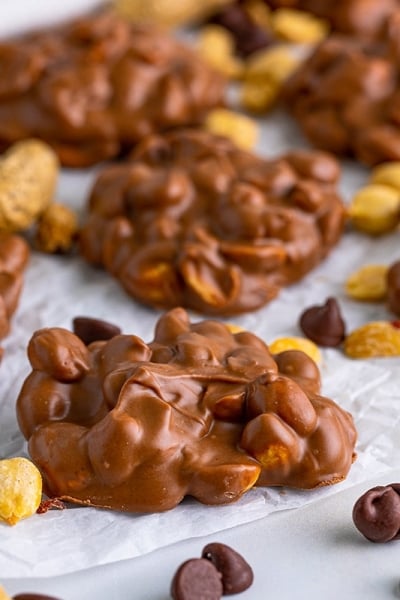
[(28, 178), (20, 489)]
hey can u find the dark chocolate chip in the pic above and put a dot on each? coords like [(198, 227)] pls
[(197, 579), (324, 324), (93, 330), (237, 575), (376, 514)]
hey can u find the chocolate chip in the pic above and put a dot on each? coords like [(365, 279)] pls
[(197, 579), (376, 514), (324, 324), (92, 330), (237, 575)]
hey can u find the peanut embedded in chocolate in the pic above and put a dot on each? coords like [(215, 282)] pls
[(198, 411)]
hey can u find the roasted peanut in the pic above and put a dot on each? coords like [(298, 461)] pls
[(170, 13), (375, 209), (242, 130), (375, 339), (20, 489), (298, 26), (57, 227), (217, 46), (296, 343), (3, 594), (368, 283), (28, 176), (387, 174)]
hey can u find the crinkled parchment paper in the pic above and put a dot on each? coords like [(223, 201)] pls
[(59, 288)]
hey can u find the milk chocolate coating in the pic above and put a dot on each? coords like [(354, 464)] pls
[(190, 220), (96, 86), (14, 254), (393, 288), (365, 18), (345, 97), (199, 411), (376, 514)]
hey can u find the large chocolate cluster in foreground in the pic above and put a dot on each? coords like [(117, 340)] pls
[(93, 87), (199, 411), (190, 220), (346, 96)]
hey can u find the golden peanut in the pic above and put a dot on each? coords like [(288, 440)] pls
[(375, 339), (375, 209), (296, 343), (298, 27), (3, 594), (28, 177), (242, 130), (258, 97), (368, 283), (170, 13), (275, 64), (217, 47), (259, 13), (20, 489), (387, 174), (57, 228)]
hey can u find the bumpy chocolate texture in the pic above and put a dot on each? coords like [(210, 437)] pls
[(365, 18), (346, 97), (193, 221), (14, 254), (94, 87), (199, 411)]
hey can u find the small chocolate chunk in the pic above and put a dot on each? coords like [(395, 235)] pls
[(393, 287), (324, 324), (249, 36), (197, 579), (92, 330), (376, 514), (237, 575)]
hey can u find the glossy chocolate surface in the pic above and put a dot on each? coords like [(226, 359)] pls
[(96, 86), (198, 411), (190, 220), (345, 97), (376, 514)]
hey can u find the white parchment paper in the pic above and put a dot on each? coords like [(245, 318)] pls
[(59, 288)]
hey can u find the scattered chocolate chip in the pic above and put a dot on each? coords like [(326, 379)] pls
[(324, 324), (376, 514), (249, 37), (197, 579), (237, 575), (393, 287), (92, 330)]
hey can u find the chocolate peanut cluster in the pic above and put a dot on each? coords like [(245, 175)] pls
[(96, 86), (190, 220), (14, 254), (199, 411), (345, 97)]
